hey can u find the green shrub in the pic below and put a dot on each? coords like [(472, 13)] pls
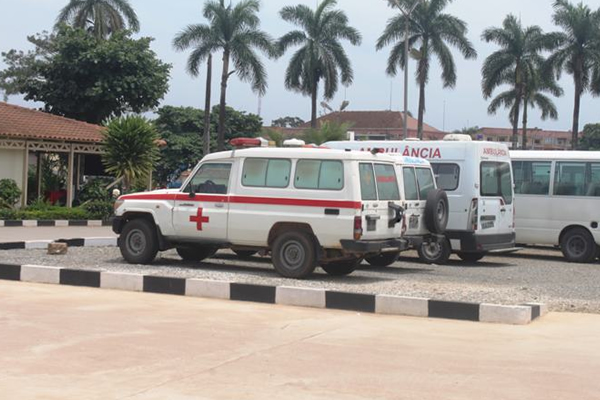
[(95, 190), (39, 204), (54, 213), (9, 193), (8, 213), (99, 209)]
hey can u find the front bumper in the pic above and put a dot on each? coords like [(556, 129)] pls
[(117, 224), (374, 246)]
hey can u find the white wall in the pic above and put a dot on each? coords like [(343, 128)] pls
[(11, 165)]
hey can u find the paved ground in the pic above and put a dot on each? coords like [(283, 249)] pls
[(75, 343), (17, 234), (533, 275)]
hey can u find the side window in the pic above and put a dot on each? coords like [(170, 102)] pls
[(447, 176), (577, 179), (496, 181), (410, 184), (259, 172), (593, 189), (210, 178), (319, 174), (532, 177), (368, 189), (425, 181), (387, 183), (569, 179)]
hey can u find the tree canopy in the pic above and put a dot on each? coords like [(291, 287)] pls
[(179, 126), (79, 76), (287, 122), (590, 139), (99, 17)]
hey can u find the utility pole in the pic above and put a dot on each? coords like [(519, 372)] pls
[(407, 14)]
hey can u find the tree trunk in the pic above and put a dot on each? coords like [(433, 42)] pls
[(421, 108), (313, 115), (206, 139), (222, 110), (515, 135), (524, 144), (575, 132)]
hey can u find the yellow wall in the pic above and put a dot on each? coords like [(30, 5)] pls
[(11, 165)]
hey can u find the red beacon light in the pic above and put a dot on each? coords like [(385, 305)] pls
[(241, 143), (377, 151)]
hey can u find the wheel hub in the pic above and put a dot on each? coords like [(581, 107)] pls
[(136, 241)]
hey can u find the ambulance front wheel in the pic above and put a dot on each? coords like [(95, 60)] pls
[(294, 254), (138, 241)]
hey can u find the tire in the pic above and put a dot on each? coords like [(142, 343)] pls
[(383, 259), (138, 242), (198, 253), (435, 252), (578, 246), (470, 257), (294, 255), (436, 211), (341, 268), (245, 253)]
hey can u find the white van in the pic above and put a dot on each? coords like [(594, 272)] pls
[(307, 207), (557, 197), (477, 176)]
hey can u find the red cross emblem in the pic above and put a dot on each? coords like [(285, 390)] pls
[(199, 219)]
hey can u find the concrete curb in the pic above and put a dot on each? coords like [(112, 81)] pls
[(79, 242), (34, 223), (289, 296)]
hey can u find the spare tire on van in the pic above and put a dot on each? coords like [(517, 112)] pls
[(436, 211)]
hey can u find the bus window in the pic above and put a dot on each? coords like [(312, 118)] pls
[(569, 179), (496, 180), (532, 177), (446, 175)]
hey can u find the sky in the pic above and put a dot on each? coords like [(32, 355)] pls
[(447, 109)]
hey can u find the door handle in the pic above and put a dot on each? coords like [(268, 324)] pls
[(219, 205)]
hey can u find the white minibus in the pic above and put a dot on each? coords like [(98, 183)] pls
[(557, 197), (477, 177)]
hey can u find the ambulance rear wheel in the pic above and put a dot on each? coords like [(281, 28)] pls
[(138, 242), (341, 268), (383, 259), (294, 254), (198, 253), (435, 252)]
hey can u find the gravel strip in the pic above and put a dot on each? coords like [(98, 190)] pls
[(532, 275)]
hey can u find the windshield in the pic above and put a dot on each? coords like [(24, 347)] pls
[(496, 180)]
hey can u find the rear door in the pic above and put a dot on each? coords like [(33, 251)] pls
[(418, 181), (379, 188), (496, 188)]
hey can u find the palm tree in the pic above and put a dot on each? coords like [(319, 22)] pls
[(516, 62), (234, 31), (577, 51), (100, 17), (432, 31), (534, 89), (321, 56), (130, 148)]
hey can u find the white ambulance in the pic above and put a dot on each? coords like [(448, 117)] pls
[(307, 207), (477, 176)]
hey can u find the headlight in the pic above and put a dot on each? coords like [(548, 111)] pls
[(117, 204)]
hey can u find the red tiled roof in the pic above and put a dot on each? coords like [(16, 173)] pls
[(530, 132), (23, 123), (373, 120)]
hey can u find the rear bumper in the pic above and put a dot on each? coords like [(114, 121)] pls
[(473, 242), (374, 246)]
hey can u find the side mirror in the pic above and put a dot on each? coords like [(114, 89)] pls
[(192, 193)]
